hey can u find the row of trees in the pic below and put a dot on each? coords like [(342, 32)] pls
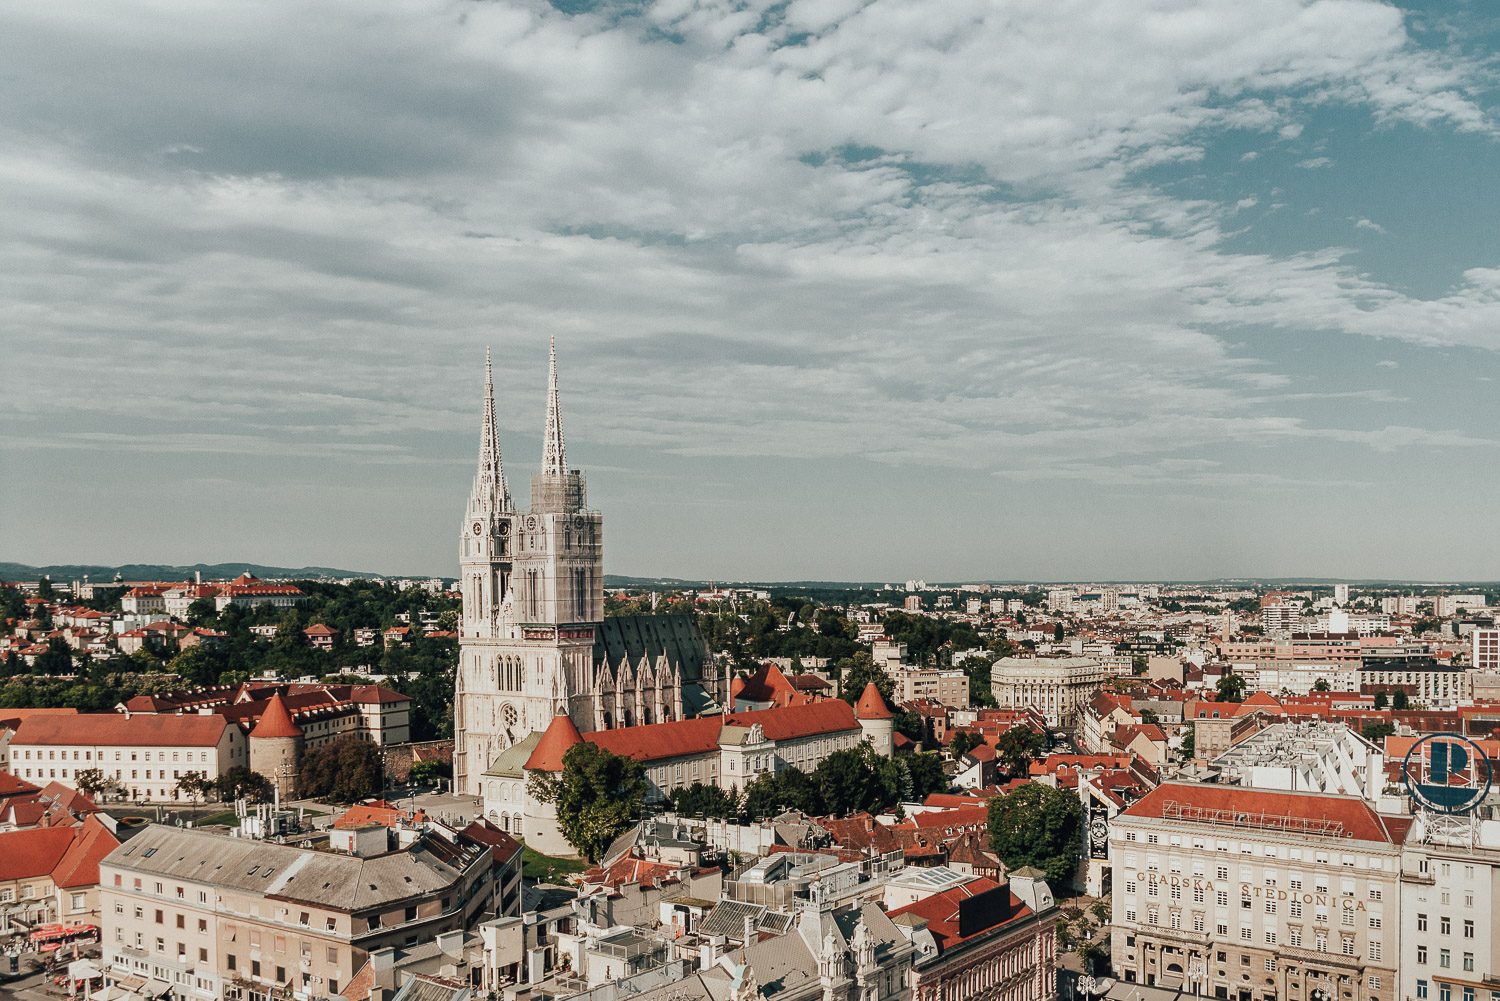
[(600, 795)]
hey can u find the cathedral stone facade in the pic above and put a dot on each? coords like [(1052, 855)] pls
[(534, 641)]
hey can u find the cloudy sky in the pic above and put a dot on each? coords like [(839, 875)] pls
[(842, 289)]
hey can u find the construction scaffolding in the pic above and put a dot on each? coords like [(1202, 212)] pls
[(1311, 826)]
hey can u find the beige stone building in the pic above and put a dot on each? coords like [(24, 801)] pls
[(951, 688), (1057, 687), (222, 917), (1252, 895)]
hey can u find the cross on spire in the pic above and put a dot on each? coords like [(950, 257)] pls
[(554, 452)]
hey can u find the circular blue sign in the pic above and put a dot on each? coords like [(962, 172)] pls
[(1447, 773)]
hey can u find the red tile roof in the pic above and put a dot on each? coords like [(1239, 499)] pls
[(560, 735), (871, 705), (117, 729), (503, 847), (276, 721), (1286, 809), (654, 741), (941, 911), (79, 865), (36, 852), (377, 812)]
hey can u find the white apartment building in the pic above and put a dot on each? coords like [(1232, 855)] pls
[(1055, 686), (1248, 895), (143, 757), (1449, 946), (1486, 652)]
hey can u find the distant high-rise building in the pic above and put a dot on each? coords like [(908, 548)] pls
[(1341, 594), (1486, 649)]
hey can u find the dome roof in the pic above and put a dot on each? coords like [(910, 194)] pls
[(560, 735), (276, 721), (871, 705)]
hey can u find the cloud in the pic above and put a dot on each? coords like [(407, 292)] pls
[(1387, 363), (1361, 223), (1314, 163), (922, 233)]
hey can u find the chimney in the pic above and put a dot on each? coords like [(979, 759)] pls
[(749, 930), (710, 951), (451, 942)]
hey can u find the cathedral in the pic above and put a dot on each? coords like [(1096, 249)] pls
[(534, 642)]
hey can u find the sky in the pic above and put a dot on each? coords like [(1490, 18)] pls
[(842, 289)]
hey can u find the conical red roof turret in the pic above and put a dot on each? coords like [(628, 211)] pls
[(560, 735), (871, 705), (276, 721)]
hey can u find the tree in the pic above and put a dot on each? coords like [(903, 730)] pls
[(429, 771), (1399, 701), (963, 741), (845, 780), (859, 671), (240, 782), (1057, 633), (927, 775), (194, 785), (1039, 826), (699, 800), (91, 782), (790, 789), (1189, 742), (1321, 685), (343, 770), (202, 612), (1149, 716), (598, 796), (1017, 747), (1138, 664), (56, 659), (1382, 700), (1377, 730), (1231, 688)]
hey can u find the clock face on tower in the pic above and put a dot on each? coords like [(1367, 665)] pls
[(478, 528)]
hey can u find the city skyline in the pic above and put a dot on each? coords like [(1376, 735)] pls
[(859, 292)]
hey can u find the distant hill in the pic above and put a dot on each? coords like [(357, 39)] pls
[(155, 571)]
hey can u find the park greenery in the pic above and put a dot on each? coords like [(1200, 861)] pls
[(423, 668), (1039, 826), (598, 796), (344, 770)]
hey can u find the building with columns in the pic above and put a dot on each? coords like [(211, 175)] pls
[(534, 640)]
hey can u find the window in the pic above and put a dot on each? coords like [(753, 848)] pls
[(1374, 947), (1468, 928), (1422, 954), (1374, 922), (1445, 958), (255, 968), (1246, 933), (1271, 964), (1295, 908), (1130, 886), (333, 954), (1445, 926), (1221, 897), (1469, 962), (1421, 922), (1374, 983), (230, 961), (1421, 988), (1270, 938)]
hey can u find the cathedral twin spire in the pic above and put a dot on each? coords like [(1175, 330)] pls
[(490, 489), (554, 452)]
